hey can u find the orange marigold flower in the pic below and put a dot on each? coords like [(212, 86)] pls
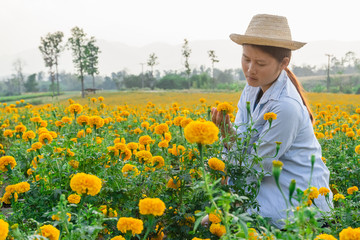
[(353, 189), (177, 120), (270, 115), (66, 120), (74, 198), (185, 122), (45, 138), (82, 120), (350, 234), (225, 107), (5, 161), (171, 183), (135, 226), (338, 196), (325, 237), (145, 140), (8, 133), (216, 164), (118, 238), (163, 144), (129, 168), (201, 132), (323, 191), (28, 135), (75, 108), (20, 128), (217, 229), (357, 149), (51, 232), (96, 121), (151, 206), (161, 129), (158, 161), (85, 183), (312, 193), (144, 156), (36, 146), (4, 229)]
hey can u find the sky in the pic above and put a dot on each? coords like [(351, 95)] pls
[(142, 22)]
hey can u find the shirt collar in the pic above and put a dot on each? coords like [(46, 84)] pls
[(275, 89)]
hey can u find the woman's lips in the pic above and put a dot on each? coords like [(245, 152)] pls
[(251, 78)]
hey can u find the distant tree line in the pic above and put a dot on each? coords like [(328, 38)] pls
[(85, 58)]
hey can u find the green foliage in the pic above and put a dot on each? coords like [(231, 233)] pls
[(172, 81)]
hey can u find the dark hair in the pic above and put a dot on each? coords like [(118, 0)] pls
[(279, 54)]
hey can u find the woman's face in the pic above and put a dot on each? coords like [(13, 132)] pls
[(260, 68)]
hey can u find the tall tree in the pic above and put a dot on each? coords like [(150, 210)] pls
[(186, 51), (214, 60), (92, 59), (151, 62), (31, 84), (78, 44), (51, 48), (19, 77)]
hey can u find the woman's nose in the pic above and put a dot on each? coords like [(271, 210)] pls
[(251, 68)]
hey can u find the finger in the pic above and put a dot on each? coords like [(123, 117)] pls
[(219, 118), (213, 115)]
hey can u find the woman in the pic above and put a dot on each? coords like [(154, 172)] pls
[(272, 87)]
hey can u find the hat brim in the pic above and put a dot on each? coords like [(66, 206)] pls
[(246, 39)]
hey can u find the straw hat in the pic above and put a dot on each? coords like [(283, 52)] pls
[(268, 30)]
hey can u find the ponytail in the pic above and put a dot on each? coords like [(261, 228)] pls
[(300, 90)]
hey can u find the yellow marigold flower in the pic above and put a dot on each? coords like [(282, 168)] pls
[(270, 115), (163, 144), (353, 189), (338, 196), (171, 183), (93, 100), (96, 121), (151, 206), (132, 145), (161, 129), (20, 128), (129, 168), (9, 195), (225, 107), (145, 140), (135, 226), (8, 133), (36, 119), (85, 183), (167, 137), (217, 229), (74, 164), (357, 110), (195, 238), (158, 161), (36, 146), (52, 233), (66, 120), (312, 193), (202, 100), (350, 134), (357, 149), (82, 120), (215, 217), (101, 98), (4, 229), (22, 187), (45, 138), (74, 198), (53, 134), (28, 135), (185, 122), (120, 146), (145, 125), (43, 123), (216, 164), (177, 120), (118, 238), (75, 108), (5, 161), (350, 234), (325, 237), (201, 132), (144, 156), (323, 191)]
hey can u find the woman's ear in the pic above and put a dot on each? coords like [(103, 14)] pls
[(285, 62)]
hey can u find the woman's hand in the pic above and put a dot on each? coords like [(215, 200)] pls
[(224, 124)]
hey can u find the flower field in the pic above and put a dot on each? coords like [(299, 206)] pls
[(152, 166)]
